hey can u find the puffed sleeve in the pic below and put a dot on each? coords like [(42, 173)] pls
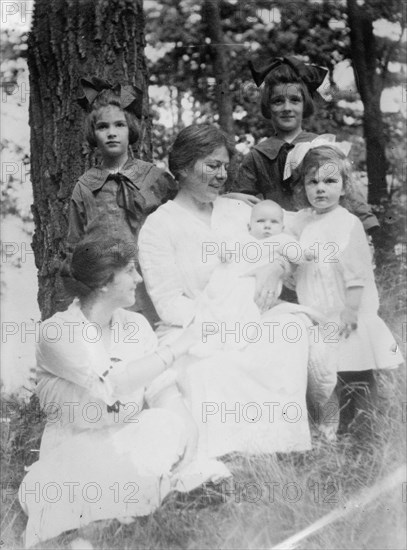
[(77, 219), (64, 353), (246, 180), (355, 258), (161, 273)]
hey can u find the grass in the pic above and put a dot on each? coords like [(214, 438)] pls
[(247, 513)]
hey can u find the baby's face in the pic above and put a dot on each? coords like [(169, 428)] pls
[(266, 221)]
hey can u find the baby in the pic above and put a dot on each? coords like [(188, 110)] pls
[(227, 313)]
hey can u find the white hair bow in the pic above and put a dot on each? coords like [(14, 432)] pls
[(296, 155)]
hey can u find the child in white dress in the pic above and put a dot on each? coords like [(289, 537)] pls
[(340, 281), (228, 317)]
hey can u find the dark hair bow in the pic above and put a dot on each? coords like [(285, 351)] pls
[(311, 75), (130, 97)]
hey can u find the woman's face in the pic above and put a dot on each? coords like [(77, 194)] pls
[(287, 107), (204, 180), (121, 290)]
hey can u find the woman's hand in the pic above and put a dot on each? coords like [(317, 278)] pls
[(251, 200), (268, 280)]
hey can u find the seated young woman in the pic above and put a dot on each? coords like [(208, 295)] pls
[(118, 436)]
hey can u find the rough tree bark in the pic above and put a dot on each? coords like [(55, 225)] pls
[(370, 87), (213, 28), (70, 39)]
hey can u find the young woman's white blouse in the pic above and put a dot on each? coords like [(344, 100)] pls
[(73, 387)]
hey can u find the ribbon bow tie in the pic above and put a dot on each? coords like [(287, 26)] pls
[(128, 196)]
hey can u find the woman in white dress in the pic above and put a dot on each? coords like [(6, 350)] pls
[(251, 399), (103, 455)]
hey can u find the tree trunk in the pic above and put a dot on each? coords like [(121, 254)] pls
[(213, 26), (369, 83), (71, 39)]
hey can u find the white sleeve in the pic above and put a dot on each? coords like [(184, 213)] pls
[(63, 352), (355, 259), (145, 335), (161, 273)]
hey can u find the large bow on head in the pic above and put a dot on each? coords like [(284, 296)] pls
[(311, 75), (131, 97), (296, 155)]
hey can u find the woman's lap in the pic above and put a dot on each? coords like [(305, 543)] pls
[(252, 400), (101, 474)]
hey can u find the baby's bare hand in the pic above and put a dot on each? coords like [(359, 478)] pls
[(227, 257), (349, 322)]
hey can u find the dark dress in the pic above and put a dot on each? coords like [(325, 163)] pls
[(97, 202)]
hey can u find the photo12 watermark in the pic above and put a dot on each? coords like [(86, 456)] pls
[(53, 492), (251, 412), (68, 332), (268, 491)]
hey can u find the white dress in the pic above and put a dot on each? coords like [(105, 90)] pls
[(250, 400), (343, 260), (96, 464), (227, 300)]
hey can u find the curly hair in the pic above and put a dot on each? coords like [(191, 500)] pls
[(108, 98), (317, 157)]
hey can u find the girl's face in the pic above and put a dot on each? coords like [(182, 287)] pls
[(287, 107), (121, 290), (111, 132), (324, 186), (204, 180)]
